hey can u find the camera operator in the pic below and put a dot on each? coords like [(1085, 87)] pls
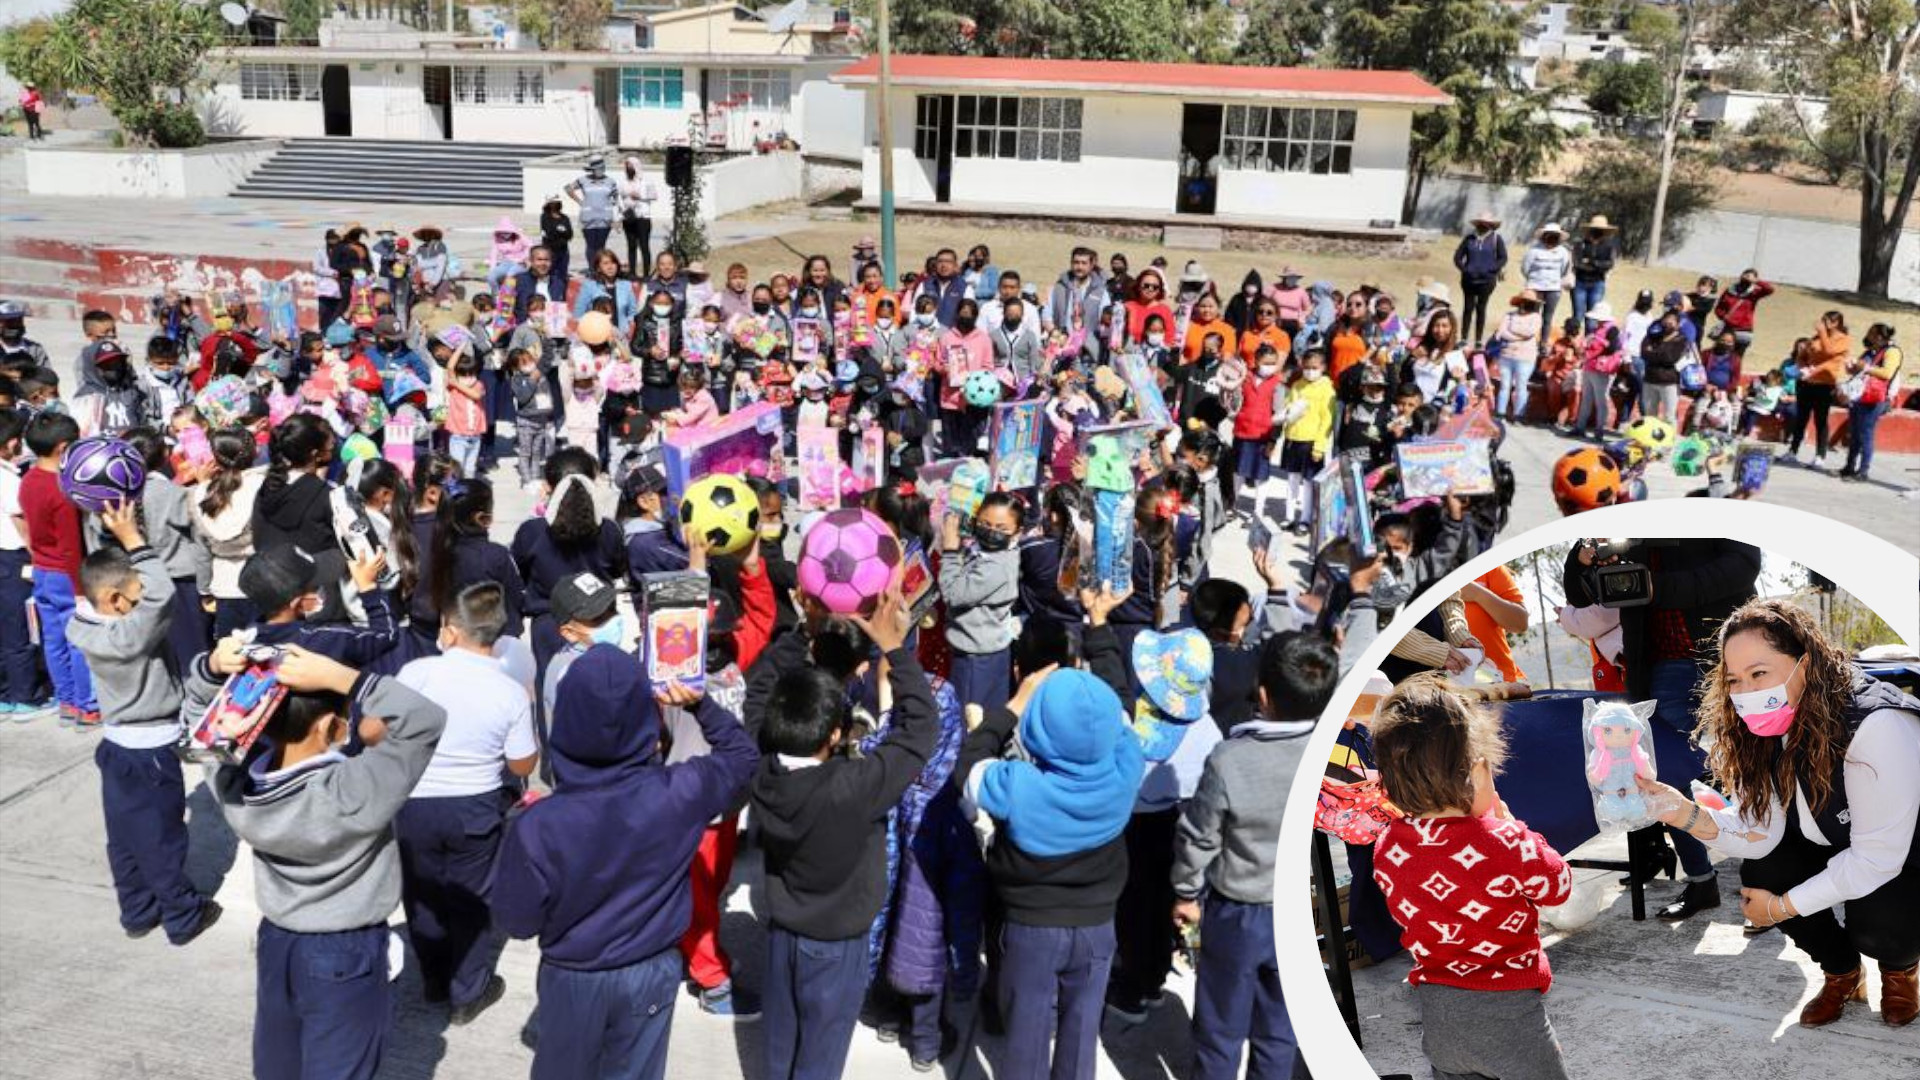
[(1684, 590)]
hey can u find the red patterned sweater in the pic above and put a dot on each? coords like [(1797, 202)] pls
[(1467, 892)]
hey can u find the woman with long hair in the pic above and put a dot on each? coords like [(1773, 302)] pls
[(1821, 762), (223, 516), (1823, 367), (569, 537), (1880, 363), (606, 277)]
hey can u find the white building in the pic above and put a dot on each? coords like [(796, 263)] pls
[(1085, 138), (1733, 110), (720, 73)]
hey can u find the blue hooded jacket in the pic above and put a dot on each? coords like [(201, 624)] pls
[(1077, 792), (598, 869)]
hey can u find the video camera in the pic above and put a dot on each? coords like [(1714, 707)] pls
[(1615, 577)]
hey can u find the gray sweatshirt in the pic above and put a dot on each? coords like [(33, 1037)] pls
[(324, 857), (132, 669), (170, 531), (1229, 831), (980, 588)]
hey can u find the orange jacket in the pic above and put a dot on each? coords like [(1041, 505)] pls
[(1827, 357), (1255, 337), (1197, 336)]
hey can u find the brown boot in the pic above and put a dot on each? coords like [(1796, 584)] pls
[(1825, 1007), (1899, 996)]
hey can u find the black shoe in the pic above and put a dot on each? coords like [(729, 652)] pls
[(209, 914), (1697, 897), (135, 933), (1846, 472), (462, 1015), (1664, 861), (1854, 477)]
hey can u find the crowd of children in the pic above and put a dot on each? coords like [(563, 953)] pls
[(1129, 740)]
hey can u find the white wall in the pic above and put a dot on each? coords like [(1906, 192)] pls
[(387, 103), (203, 172), (730, 186), (226, 113), (828, 118), (567, 117), (1373, 190)]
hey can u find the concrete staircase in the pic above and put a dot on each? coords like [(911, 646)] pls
[(371, 170)]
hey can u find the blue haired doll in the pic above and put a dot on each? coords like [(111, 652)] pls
[(1620, 749)]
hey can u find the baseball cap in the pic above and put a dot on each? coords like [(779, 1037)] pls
[(645, 480), (12, 309), (387, 326), (584, 598), (276, 577), (1372, 376)]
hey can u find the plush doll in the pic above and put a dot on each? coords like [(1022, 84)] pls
[(1620, 748)]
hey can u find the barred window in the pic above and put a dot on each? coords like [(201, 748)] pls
[(280, 82), (926, 127), (751, 88), (499, 85), (651, 87), (1263, 139), (1022, 128)]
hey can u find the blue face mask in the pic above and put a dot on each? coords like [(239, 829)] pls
[(612, 632)]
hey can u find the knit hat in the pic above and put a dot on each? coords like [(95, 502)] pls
[(1077, 791), (276, 577)]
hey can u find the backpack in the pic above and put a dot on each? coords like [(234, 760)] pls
[(1603, 353)]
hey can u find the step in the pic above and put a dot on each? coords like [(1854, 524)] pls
[(418, 173), (401, 144), (430, 198), (370, 187), (452, 152)]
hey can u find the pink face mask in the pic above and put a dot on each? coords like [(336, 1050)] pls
[(1767, 713)]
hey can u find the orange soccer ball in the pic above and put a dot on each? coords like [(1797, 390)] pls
[(1585, 479)]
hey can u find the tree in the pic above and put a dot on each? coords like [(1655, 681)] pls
[(1619, 181), (1623, 91), (1860, 55), (1670, 38), (303, 19), (23, 52), (565, 24), (1463, 47), (1281, 33), (142, 58)]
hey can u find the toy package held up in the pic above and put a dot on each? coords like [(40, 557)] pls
[(398, 447), (1148, 401), (282, 315), (1113, 540), (971, 480), (239, 713), (1016, 434), (1619, 748), (673, 638), (745, 442), (1439, 468), (353, 529), (819, 455), (916, 583)]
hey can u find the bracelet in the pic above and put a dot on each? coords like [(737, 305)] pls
[(1691, 819)]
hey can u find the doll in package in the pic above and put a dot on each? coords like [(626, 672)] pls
[(233, 722), (1619, 750), (675, 641)]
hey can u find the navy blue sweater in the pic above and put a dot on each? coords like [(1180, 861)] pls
[(354, 646), (653, 548), (1040, 594), (598, 869), (476, 559), (543, 562)]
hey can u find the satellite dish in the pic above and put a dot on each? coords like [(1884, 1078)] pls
[(787, 17), (234, 14)]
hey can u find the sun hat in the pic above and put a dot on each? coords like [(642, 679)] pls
[(1176, 671), (1484, 215), (1552, 227), (1600, 312), (1524, 296), (1600, 222), (1436, 290)]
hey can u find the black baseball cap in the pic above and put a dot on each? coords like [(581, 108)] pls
[(643, 480), (583, 597), (276, 577)]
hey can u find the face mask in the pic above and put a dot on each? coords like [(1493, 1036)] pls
[(1013, 324), (1314, 376), (660, 312), (13, 332), (774, 532), (167, 375), (810, 312), (1267, 370), (964, 323), (1767, 712), (899, 398), (991, 539), (761, 307), (883, 323), (923, 318), (1156, 340), (612, 632)]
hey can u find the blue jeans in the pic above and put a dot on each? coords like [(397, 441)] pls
[(1513, 387), (17, 665), (1586, 294), (465, 451), (813, 995), (53, 599), (322, 1003), (1236, 998), (1862, 421), (1675, 686), (607, 1023)]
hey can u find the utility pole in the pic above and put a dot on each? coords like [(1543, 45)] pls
[(883, 117)]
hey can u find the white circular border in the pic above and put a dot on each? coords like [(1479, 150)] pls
[(1866, 566)]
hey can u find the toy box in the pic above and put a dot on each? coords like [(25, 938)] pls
[(745, 442)]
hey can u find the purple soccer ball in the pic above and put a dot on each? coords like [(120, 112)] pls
[(99, 471), (847, 560)]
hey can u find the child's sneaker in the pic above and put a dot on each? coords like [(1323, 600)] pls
[(724, 1000), (69, 714), (87, 720), (26, 712)]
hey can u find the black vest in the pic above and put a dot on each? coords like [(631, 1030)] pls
[(1869, 695)]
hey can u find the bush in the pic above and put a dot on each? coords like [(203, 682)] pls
[(164, 124), (1621, 182), (1760, 153)]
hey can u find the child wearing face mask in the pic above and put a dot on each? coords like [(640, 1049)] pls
[(164, 383), (905, 424), (283, 585), (654, 542), (584, 614), (980, 582), (1253, 426), (121, 628), (1307, 420)]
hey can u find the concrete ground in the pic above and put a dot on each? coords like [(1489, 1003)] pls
[(1667, 1001)]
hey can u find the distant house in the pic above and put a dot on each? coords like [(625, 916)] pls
[(730, 76), (1090, 137), (1732, 110)]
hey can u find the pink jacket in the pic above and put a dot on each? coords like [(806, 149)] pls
[(962, 355), (513, 251), (696, 410)]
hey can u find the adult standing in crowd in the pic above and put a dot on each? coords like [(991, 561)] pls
[(1593, 257), (1481, 259), (1518, 338), (1736, 307), (31, 107), (637, 196), (1822, 766), (1546, 267), (1871, 383), (599, 199), (1828, 353)]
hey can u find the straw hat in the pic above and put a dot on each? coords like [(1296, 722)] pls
[(429, 232), (1524, 296), (1600, 312), (1552, 228), (1289, 272), (1599, 223), (1484, 217), (1436, 290)]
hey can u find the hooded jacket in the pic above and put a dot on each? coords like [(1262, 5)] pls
[(512, 251), (1241, 310), (296, 512), (120, 402), (598, 869), (1058, 856)]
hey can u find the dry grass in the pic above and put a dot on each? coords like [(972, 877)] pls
[(1790, 313)]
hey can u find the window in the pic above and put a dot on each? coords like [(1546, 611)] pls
[(1289, 140), (492, 85), (926, 127), (1022, 128), (650, 88), (280, 82), (751, 88)]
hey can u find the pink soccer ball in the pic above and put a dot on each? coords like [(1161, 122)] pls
[(847, 560)]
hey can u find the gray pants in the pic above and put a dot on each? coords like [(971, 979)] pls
[(1488, 1035), (1594, 386), (532, 446), (1661, 401)]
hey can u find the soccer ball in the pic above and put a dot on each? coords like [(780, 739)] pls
[(982, 389), (723, 509), (1651, 433), (1585, 479), (847, 560), (595, 328), (1690, 456), (99, 471)]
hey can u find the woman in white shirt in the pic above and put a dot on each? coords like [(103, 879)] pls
[(637, 195), (1822, 768), (1546, 266)]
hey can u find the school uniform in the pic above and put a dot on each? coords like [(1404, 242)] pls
[(327, 877), (353, 645), (476, 560), (598, 869), (980, 588), (170, 523), (823, 828), (543, 562), (19, 668), (653, 547), (451, 826), (141, 786)]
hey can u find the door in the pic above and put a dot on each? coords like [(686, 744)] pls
[(336, 102), (933, 140), (606, 101), (436, 88), (1199, 159)]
